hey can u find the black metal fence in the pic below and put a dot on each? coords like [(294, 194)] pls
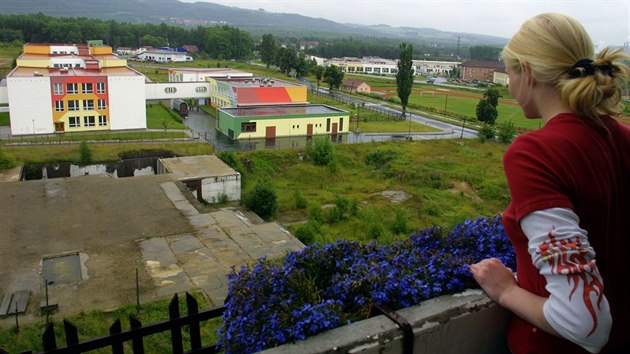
[(117, 337)]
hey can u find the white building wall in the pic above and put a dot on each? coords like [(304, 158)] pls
[(213, 187), (4, 93), (127, 107), (173, 90), (30, 105)]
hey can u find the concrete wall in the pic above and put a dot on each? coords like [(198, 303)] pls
[(213, 187), (467, 322)]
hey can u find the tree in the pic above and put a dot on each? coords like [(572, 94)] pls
[(484, 52), (268, 49), (333, 76), (404, 76), (486, 112), (318, 71), (492, 95), (286, 59), (487, 107)]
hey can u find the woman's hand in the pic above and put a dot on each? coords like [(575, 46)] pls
[(494, 278)]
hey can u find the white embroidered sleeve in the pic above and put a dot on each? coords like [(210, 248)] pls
[(576, 308)]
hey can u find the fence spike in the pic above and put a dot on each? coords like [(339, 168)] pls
[(138, 343), (72, 335), (48, 337), (116, 327), (192, 306), (176, 331)]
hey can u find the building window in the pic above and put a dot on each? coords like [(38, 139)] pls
[(73, 105), (72, 88), (170, 89), (58, 106), (100, 87), (88, 105), (89, 121), (101, 104), (249, 127), (74, 122), (58, 89), (88, 87), (102, 121), (340, 124), (385, 70), (327, 124), (201, 89)]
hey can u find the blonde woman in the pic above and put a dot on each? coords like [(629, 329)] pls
[(570, 196)]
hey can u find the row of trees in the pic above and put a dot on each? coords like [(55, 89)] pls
[(221, 42)]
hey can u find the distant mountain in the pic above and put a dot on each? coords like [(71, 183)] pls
[(257, 22)]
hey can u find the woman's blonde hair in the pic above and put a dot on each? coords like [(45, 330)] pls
[(560, 53)]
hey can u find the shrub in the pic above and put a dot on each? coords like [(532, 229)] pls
[(263, 199), (322, 151), (300, 201), (400, 224), (315, 213), (324, 286), (307, 232), (486, 133), (6, 162), (85, 154), (507, 132)]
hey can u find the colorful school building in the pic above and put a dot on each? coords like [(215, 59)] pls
[(69, 88)]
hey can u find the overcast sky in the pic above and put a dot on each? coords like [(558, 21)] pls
[(607, 21)]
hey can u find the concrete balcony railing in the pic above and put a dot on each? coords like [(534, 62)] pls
[(462, 323)]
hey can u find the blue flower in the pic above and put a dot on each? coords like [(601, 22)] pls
[(325, 286)]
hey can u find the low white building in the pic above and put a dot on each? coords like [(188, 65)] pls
[(200, 75), (211, 179), (164, 56)]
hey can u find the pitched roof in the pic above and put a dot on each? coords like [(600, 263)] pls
[(352, 82)]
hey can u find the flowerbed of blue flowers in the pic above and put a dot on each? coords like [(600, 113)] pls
[(325, 286)]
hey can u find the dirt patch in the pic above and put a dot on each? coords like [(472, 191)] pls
[(463, 188)]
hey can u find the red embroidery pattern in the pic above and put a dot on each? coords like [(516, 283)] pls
[(568, 257)]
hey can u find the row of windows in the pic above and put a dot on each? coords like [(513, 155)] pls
[(73, 105), (73, 88), (250, 127), (66, 65), (370, 69), (88, 121)]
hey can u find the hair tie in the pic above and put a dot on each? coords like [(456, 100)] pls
[(585, 67), (581, 68)]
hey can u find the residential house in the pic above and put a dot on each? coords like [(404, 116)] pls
[(356, 86)]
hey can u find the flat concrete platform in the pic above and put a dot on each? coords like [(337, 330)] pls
[(149, 223)]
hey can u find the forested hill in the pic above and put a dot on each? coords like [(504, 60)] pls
[(256, 22)]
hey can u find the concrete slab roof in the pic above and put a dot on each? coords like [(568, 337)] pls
[(196, 167)]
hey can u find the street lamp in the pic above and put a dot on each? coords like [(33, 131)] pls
[(445, 102), (463, 125)]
